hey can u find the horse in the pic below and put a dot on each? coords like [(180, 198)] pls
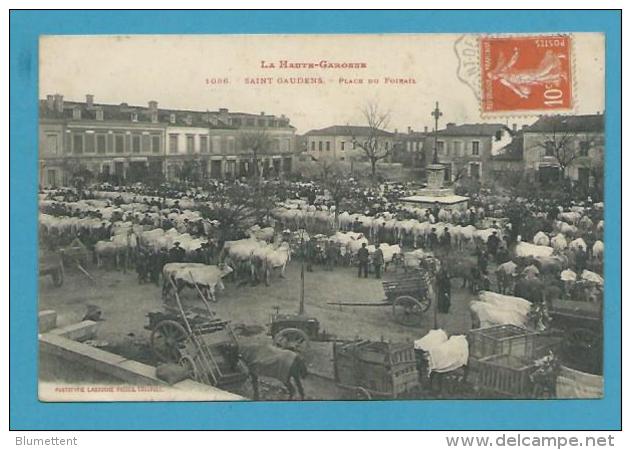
[(267, 360)]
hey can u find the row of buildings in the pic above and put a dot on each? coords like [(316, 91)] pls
[(551, 145), (128, 142), (124, 142)]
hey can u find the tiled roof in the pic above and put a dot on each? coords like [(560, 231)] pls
[(473, 129), (513, 151), (348, 130), (584, 123), (123, 113)]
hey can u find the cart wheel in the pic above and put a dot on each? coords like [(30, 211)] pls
[(362, 394), (166, 340), (58, 277), (407, 310), (189, 364), (292, 339)]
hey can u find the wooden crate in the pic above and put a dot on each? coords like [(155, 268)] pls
[(506, 375), (502, 340)]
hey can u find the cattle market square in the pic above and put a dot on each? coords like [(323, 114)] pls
[(351, 262)]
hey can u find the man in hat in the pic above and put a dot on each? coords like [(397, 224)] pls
[(362, 256), (177, 253), (445, 241), (492, 244)]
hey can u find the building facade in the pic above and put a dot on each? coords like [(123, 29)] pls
[(466, 149), (573, 144), (409, 148), (133, 143), (339, 142)]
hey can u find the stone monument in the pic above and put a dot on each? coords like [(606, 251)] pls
[(435, 190)]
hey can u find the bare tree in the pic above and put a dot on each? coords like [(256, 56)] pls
[(375, 145), (559, 143), (257, 142)]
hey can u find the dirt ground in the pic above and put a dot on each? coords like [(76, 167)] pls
[(125, 303)]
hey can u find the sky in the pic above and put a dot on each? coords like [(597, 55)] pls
[(181, 72)]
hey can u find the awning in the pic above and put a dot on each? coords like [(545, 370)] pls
[(139, 159)]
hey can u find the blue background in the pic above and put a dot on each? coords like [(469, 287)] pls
[(26, 412)]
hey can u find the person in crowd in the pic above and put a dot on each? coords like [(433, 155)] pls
[(363, 256), (432, 240), (492, 244), (331, 255), (311, 254), (581, 259), (483, 261), (142, 267), (377, 259), (445, 241), (155, 267), (177, 253), (443, 286)]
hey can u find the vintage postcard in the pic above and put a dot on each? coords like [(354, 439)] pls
[(321, 217)]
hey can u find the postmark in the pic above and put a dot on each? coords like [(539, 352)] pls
[(526, 74)]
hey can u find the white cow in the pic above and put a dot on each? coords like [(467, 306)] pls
[(206, 278)]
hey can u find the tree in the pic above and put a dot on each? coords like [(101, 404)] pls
[(559, 144), (256, 142), (340, 187), (237, 206), (374, 145)]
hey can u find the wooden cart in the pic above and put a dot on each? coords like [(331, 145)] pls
[(581, 326), (191, 337), (409, 295), (375, 369)]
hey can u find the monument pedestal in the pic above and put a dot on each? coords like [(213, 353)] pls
[(435, 192)]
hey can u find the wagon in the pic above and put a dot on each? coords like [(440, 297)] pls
[(192, 338), (370, 369), (409, 295), (581, 325)]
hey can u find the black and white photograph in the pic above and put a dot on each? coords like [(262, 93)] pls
[(321, 217)]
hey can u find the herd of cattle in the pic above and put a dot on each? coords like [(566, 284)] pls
[(122, 223)]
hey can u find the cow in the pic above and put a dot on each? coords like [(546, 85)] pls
[(194, 275)]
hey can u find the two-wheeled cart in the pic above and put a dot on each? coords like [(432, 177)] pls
[(409, 295), (192, 337)]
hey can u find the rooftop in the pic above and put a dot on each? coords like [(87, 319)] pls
[(513, 151), (473, 129), (583, 123), (55, 107), (348, 130)]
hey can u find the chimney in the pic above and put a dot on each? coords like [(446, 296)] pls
[(451, 125), (409, 130), (59, 103), (396, 131), (89, 101), (262, 113), (425, 129), (524, 127), (223, 115), (153, 106), (514, 128), (50, 102)]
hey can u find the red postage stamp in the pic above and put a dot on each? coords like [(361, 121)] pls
[(526, 73)]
